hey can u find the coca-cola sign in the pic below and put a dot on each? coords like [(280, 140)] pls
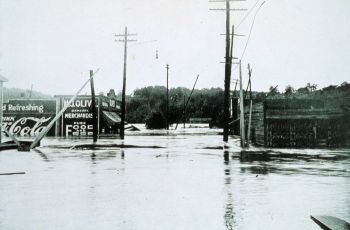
[(28, 117)]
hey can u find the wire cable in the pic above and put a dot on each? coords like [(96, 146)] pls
[(248, 13), (251, 29)]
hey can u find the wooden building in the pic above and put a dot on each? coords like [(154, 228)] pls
[(77, 120), (299, 123)]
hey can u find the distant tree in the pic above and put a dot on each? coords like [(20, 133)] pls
[(273, 90), (329, 88), (345, 87), (15, 93), (204, 103), (289, 90), (260, 96), (303, 90), (156, 120), (311, 87)]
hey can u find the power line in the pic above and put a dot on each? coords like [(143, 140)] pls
[(248, 13), (251, 29)]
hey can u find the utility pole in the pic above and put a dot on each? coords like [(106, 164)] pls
[(125, 40), (93, 107), (227, 75), (251, 104), (2, 80), (188, 100), (184, 111), (241, 104), (228, 65), (59, 114), (167, 96)]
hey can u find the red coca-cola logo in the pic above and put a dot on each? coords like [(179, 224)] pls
[(27, 126)]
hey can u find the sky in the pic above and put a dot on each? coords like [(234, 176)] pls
[(52, 44)]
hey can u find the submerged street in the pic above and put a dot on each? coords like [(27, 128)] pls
[(187, 184)]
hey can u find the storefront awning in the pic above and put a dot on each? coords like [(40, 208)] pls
[(111, 118)]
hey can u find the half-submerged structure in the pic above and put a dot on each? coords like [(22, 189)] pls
[(300, 123), (28, 117)]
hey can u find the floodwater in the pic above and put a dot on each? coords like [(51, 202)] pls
[(188, 184)]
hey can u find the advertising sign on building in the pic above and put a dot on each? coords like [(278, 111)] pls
[(26, 117), (77, 120)]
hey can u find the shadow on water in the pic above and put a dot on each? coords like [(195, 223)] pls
[(320, 164), (42, 155), (229, 215)]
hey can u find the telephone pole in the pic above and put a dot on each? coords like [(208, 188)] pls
[(184, 111), (227, 75), (167, 96), (93, 107), (241, 106), (251, 103), (125, 40), (228, 65)]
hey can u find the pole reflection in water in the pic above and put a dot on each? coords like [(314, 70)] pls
[(229, 211), (122, 154), (42, 155), (200, 186), (93, 158)]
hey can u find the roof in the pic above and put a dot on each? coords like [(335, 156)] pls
[(111, 117)]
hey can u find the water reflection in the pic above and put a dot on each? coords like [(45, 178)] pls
[(229, 207), (93, 158), (200, 186), (42, 155)]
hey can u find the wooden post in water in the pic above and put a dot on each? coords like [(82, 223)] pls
[(59, 114), (251, 104), (188, 100), (167, 96), (241, 103), (184, 112), (227, 75), (2, 80), (93, 107), (249, 122), (125, 40), (122, 123)]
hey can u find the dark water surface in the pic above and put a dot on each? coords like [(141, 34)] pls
[(189, 184)]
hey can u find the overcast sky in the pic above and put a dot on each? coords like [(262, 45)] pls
[(52, 44)]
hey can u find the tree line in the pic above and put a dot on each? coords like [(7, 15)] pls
[(151, 100), (149, 103)]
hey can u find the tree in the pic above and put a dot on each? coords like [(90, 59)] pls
[(289, 90), (156, 120), (273, 90), (311, 87)]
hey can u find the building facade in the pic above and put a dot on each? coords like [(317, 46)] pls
[(77, 120), (28, 117), (299, 123)]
